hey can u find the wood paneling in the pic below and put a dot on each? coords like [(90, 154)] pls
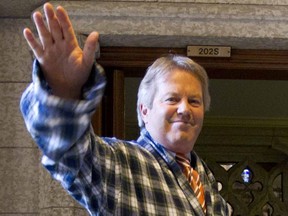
[(118, 104), (243, 64)]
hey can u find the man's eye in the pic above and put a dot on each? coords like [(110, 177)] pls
[(195, 102), (171, 99)]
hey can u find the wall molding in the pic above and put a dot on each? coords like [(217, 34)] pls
[(237, 122), (178, 24)]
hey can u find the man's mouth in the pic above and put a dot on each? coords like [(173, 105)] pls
[(183, 122)]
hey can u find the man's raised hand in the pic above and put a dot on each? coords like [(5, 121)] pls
[(65, 65)]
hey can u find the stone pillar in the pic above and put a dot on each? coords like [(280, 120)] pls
[(54, 200), (18, 155)]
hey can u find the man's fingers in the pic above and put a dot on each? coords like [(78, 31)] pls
[(43, 32), (33, 43), (90, 48), (52, 21), (65, 23)]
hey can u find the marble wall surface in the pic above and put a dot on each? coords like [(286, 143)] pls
[(25, 187), (262, 25), (18, 155)]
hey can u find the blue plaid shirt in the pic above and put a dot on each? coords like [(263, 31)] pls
[(106, 175)]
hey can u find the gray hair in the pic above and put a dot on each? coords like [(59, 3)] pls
[(164, 65)]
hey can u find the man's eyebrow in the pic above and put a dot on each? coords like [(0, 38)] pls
[(171, 93), (196, 95)]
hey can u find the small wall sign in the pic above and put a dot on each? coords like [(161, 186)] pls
[(209, 51)]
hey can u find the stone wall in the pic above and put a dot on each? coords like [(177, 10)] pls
[(170, 24), (18, 156), (25, 187)]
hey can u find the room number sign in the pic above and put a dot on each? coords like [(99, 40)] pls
[(209, 51)]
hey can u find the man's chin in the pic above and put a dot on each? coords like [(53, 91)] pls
[(183, 145)]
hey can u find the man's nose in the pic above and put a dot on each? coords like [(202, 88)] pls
[(184, 108)]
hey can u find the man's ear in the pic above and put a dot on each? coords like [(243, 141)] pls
[(144, 112)]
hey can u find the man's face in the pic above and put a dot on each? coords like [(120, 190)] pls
[(176, 117)]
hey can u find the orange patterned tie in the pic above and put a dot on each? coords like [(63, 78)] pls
[(193, 177)]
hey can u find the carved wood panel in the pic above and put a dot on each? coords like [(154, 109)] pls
[(252, 190)]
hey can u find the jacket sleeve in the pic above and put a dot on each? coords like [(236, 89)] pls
[(62, 130)]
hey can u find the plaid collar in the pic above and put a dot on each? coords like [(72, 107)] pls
[(167, 156), (145, 138)]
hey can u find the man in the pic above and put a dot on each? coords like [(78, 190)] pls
[(109, 176)]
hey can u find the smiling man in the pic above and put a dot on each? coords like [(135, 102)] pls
[(159, 174), (176, 115)]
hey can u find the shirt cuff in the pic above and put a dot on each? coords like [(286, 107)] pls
[(92, 91)]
